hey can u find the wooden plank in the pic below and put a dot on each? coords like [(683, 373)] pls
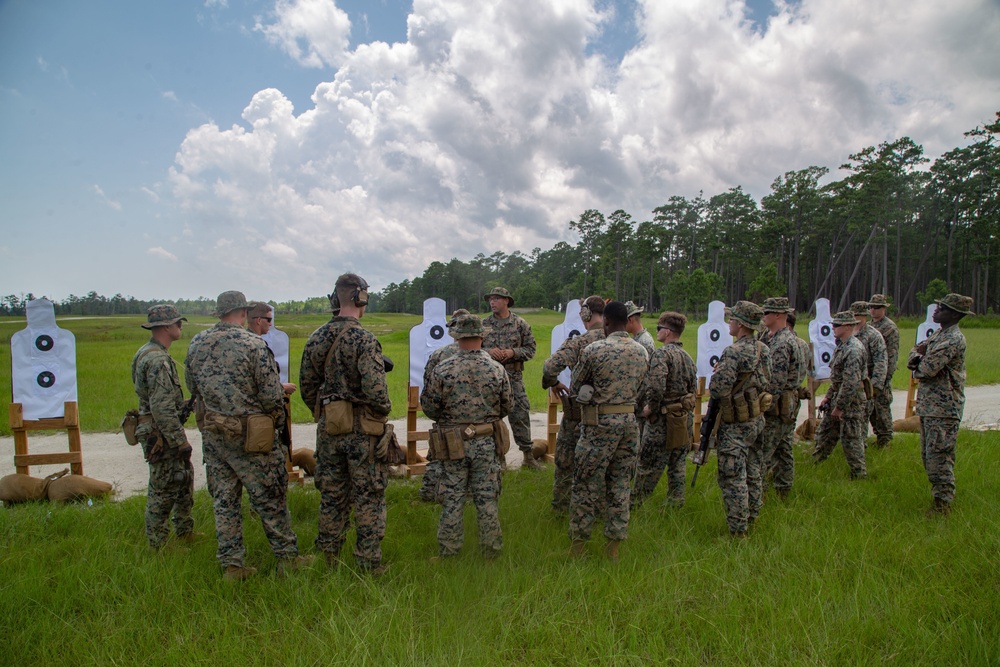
[(47, 459), (16, 413), (911, 400)]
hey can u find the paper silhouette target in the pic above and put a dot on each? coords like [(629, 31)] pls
[(43, 364), (928, 326), (278, 342), (426, 337), (571, 327), (822, 339), (713, 338)]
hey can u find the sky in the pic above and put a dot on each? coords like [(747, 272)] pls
[(181, 149)]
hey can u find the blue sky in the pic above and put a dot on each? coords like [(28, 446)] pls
[(181, 149)]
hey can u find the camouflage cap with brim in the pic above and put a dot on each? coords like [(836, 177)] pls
[(633, 309), (844, 318), (957, 302), (230, 301), (878, 301), (859, 307), (775, 304), (746, 313), (467, 326), (162, 315), (500, 291)]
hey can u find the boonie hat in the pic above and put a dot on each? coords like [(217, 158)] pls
[(958, 303), (162, 315), (467, 326), (776, 304), (859, 307), (633, 309), (454, 316), (747, 313), (500, 291), (878, 301), (844, 317), (230, 301)]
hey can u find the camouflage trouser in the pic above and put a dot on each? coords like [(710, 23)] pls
[(604, 463), (937, 449), (520, 413), (851, 432), (653, 458), (477, 474), (229, 470), (881, 416), (779, 458), (734, 443), (430, 484), (171, 488), (562, 487), (347, 475)]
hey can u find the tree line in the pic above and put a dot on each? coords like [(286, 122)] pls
[(893, 224)]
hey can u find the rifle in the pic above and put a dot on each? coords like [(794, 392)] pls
[(709, 427), (186, 411)]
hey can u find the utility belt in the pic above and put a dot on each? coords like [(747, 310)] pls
[(744, 406), (571, 409), (589, 413), (131, 423), (677, 416), (343, 417), (516, 366), (785, 405), (257, 431), (447, 442)]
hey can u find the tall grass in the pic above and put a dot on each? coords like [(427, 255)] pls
[(842, 573)]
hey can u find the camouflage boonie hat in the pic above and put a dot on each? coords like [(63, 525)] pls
[(746, 313), (776, 304), (230, 301), (499, 291), (258, 309), (859, 308), (633, 309), (162, 315), (958, 303), (467, 326), (454, 316), (844, 317), (878, 301)]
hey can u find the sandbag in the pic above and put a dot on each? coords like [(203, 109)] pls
[(539, 448), (909, 425), (24, 488), (305, 460), (807, 429), (77, 487)]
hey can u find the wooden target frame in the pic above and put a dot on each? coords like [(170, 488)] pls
[(69, 422)]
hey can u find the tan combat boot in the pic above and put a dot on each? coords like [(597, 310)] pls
[(578, 548), (238, 572), (530, 462), (286, 565), (611, 550)]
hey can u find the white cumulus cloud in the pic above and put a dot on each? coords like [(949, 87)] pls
[(315, 33), (162, 253)]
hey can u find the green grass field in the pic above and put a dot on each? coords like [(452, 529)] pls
[(105, 347), (843, 573)]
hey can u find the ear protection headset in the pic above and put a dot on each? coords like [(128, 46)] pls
[(585, 313)]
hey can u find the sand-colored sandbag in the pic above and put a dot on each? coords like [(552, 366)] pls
[(77, 487), (909, 425), (24, 488), (807, 429), (305, 460), (539, 448)]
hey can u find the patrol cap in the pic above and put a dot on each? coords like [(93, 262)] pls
[(633, 309), (878, 301), (776, 304), (258, 309), (747, 313), (859, 307), (162, 315), (957, 302), (844, 318), (467, 326), (230, 301), (500, 291)]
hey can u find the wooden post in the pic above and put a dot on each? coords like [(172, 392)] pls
[(415, 463), (552, 425), (696, 434), (911, 397), (70, 422)]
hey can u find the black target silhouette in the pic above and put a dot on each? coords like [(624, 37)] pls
[(573, 334), (714, 335), (44, 342), (714, 360), (825, 330), (928, 334), (45, 379), (437, 332), (825, 357)]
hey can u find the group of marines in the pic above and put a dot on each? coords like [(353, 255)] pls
[(628, 417)]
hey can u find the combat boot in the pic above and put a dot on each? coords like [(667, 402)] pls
[(530, 462), (611, 550), (939, 508), (332, 558), (238, 572), (578, 548), (286, 565)]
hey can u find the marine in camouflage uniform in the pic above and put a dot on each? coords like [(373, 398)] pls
[(348, 474), (743, 369), (635, 328), (881, 418), (939, 364), (672, 381), (878, 357), (846, 408), (567, 356), (779, 427), (511, 342), (232, 373), (465, 390), (429, 491), (605, 455), (158, 386)]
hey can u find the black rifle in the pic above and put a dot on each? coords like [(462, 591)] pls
[(708, 425), (186, 411)]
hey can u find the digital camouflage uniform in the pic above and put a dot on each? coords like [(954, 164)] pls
[(672, 375), (513, 333), (567, 356), (171, 478), (739, 447), (847, 371), (646, 340), (432, 471), (347, 471), (233, 374), (779, 433), (469, 388), (881, 418), (604, 460), (876, 368), (940, 404)]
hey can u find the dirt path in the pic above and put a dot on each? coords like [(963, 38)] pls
[(108, 458)]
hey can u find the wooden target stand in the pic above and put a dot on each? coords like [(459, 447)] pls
[(911, 397), (295, 475), (415, 463), (69, 422)]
